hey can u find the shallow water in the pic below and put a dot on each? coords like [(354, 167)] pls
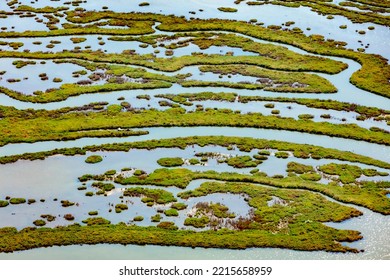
[(56, 177), (360, 147), (29, 75)]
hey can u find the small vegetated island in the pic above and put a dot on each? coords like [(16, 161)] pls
[(181, 82)]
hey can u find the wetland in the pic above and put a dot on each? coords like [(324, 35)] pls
[(186, 126)]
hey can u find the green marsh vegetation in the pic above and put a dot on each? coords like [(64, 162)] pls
[(4, 203), (372, 76), (16, 200), (277, 80), (93, 159), (150, 196), (227, 9), (330, 9), (242, 162), (171, 212), (371, 195), (17, 127), (187, 98), (274, 227), (138, 219), (39, 223), (48, 217), (170, 162), (121, 207), (243, 143), (296, 223), (96, 221)]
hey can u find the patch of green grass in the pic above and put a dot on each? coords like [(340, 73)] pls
[(120, 207), (67, 203), (77, 40), (170, 162), (167, 226), (227, 9), (299, 168), (179, 206), (39, 223), (94, 159), (150, 195), (4, 203), (17, 200), (242, 162), (96, 221), (282, 154), (138, 219), (171, 212), (197, 222), (156, 218)]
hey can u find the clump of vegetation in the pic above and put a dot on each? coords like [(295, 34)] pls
[(194, 161), (264, 152), (242, 162), (200, 222), (214, 209), (4, 203), (156, 218), (269, 105), (77, 40), (21, 63), (170, 162), (299, 168), (167, 225), (93, 159), (48, 217), (69, 217), (138, 219), (57, 80), (227, 9), (31, 201), (39, 223), (143, 96), (348, 173), (95, 221), (93, 213), (104, 187), (17, 200), (150, 195), (142, 4), (120, 207), (171, 212), (179, 206), (312, 176), (282, 154), (305, 117), (67, 203)]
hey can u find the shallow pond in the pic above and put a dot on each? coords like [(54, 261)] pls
[(30, 75)]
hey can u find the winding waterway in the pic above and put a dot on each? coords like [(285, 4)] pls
[(56, 176)]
